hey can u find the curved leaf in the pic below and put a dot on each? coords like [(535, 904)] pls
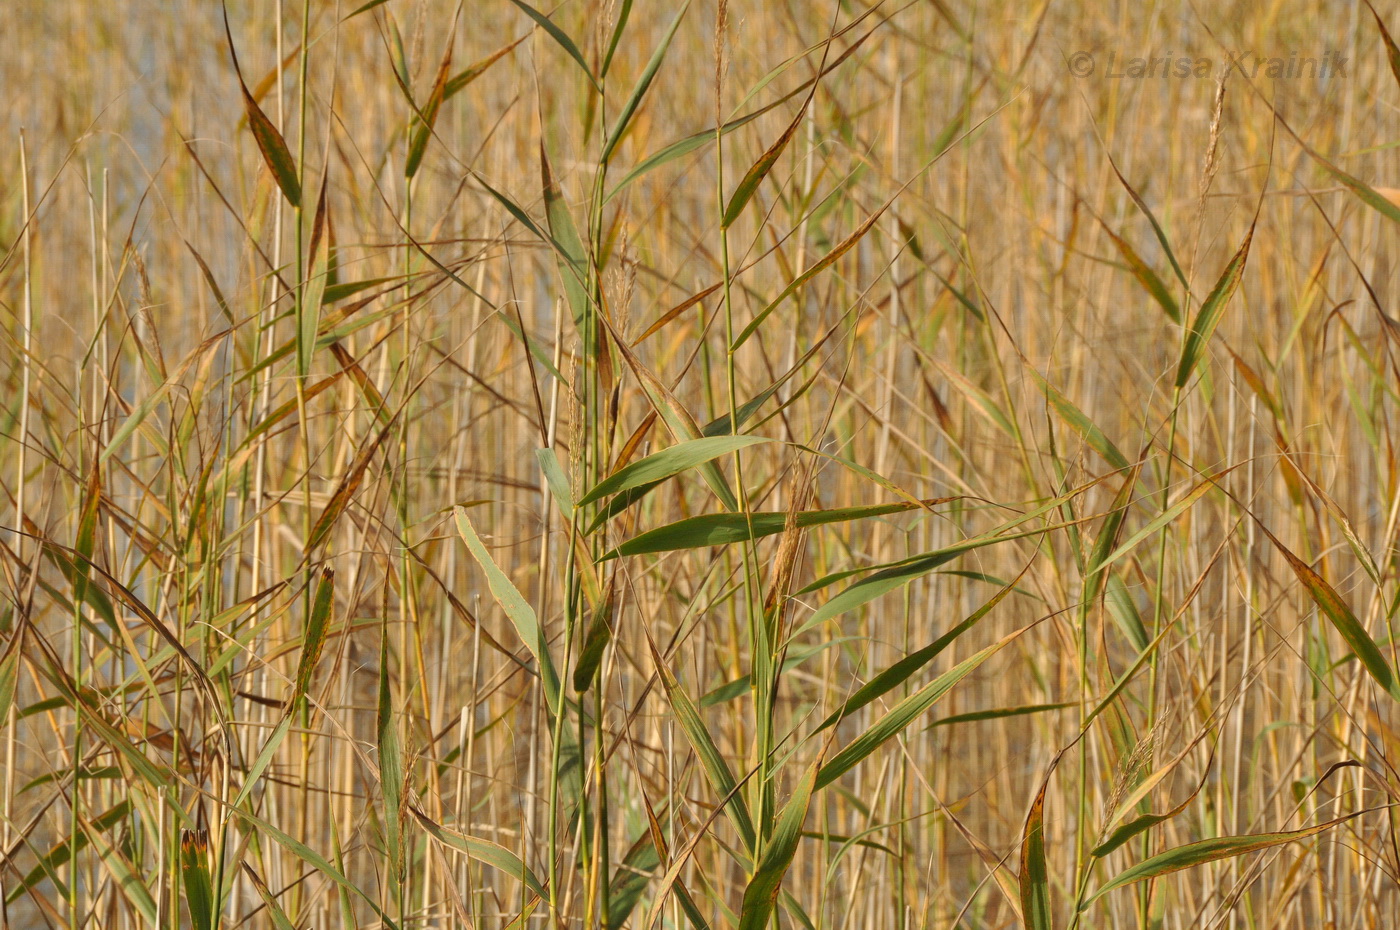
[(1193, 854), (668, 462)]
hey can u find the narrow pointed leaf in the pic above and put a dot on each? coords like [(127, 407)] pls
[(900, 672), (634, 100), (560, 37), (667, 463), (1087, 429), (762, 892), (279, 917), (317, 861), (570, 254), (317, 628), (423, 126), (1342, 618), (516, 608), (391, 767), (1392, 53), (716, 769), (1212, 309), (1212, 850), (760, 169), (718, 529), (816, 268), (1161, 520), (492, 854), (1149, 279), (270, 142), (557, 481), (1035, 878), (903, 714)]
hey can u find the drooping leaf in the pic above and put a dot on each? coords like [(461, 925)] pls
[(310, 294), (516, 608), (570, 255), (1343, 620), (492, 854), (391, 766), (1148, 278), (560, 37), (557, 481), (1392, 53), (314, 859), (270, 142), (712, 761), (595, 641), (1087, 429)]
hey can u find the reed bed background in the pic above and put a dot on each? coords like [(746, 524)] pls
[(380, 549)]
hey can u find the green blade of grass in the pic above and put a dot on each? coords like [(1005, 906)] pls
[(904, 713), (761, 893), (314, 859), (595, 640), (634, 100), (492, 854), (391, 767), (516, 608), (667, 463), (712, 761), (557, 481), (570, 254), (423, 125), (1099, 563), (561, 38), (263, 759), (999, 713), (1212, 309), (1087, 429), (897, 674), (61, 853), (718, 529), (1212, 850)]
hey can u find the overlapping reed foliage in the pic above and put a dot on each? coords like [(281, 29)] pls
[(696, 464)]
